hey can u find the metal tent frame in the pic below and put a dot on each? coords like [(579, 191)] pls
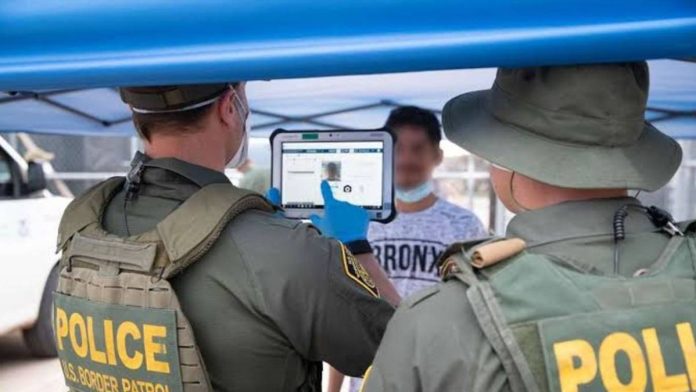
[(337, 105)]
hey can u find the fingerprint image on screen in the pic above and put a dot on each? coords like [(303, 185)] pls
[(353, 169)]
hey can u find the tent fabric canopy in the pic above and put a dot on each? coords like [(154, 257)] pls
[(48, 44), (329, 102), (62, 59)]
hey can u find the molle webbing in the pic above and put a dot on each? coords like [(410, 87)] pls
[(133, 272), (133, 255)]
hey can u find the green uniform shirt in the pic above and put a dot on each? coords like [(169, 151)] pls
[(269, 299), (434, 342)]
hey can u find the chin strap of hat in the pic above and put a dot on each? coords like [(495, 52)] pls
[(512, 193), (662, 219), (132, 185)]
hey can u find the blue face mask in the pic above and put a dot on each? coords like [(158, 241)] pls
[(416, 194)]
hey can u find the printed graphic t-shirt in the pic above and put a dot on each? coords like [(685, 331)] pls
[(408, 247)]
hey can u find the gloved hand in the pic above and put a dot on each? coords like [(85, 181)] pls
[(273, 195), (343, 221)]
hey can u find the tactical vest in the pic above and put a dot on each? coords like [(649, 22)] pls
[(118, 322), (556, 328)]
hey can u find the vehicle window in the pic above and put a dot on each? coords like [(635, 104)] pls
[(5, 176)]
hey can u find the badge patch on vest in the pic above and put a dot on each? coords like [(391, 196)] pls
[(104, 347), (358, 273), (642, 349)]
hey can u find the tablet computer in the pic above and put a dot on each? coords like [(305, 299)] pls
[(358, 165)]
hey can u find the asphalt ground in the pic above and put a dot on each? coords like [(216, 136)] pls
[(19, 372)]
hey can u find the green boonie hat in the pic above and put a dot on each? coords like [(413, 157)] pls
[(570, 126), (167, 99)]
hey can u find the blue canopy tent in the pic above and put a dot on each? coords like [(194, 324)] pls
[(62, 60), (96, 43)]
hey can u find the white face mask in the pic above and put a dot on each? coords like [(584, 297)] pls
[(415, 194), (243, 151)]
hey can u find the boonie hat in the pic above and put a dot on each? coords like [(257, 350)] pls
[(577, 126)]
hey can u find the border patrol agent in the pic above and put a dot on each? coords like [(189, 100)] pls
[(589, 290), (173, 279)]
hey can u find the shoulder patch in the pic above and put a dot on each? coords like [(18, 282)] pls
[(356, 272), (421, 295), (367, 374)]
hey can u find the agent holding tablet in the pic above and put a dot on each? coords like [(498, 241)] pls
[(408, 247), (268, 298)]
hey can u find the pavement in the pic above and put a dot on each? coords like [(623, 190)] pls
[(19, 372)]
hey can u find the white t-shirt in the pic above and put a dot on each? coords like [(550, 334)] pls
[(409, 246)]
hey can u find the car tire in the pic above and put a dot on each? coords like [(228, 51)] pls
[(39, 338)]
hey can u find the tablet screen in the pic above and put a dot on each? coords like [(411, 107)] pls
[(354, 169)]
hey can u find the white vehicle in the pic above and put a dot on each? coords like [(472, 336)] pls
[(29, 218)]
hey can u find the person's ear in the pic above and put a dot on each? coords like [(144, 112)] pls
[(439, 156), (226, 108)]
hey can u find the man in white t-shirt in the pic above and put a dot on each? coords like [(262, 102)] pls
[(408, 247)]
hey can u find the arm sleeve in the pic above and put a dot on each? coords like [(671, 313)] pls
[(395, 368), (434, 343), (322, 299)]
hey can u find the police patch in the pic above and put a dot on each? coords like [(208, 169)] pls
[(115, 347), (358, 273)]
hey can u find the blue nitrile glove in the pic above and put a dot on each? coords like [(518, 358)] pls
[(343, 221), (273, 196)]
